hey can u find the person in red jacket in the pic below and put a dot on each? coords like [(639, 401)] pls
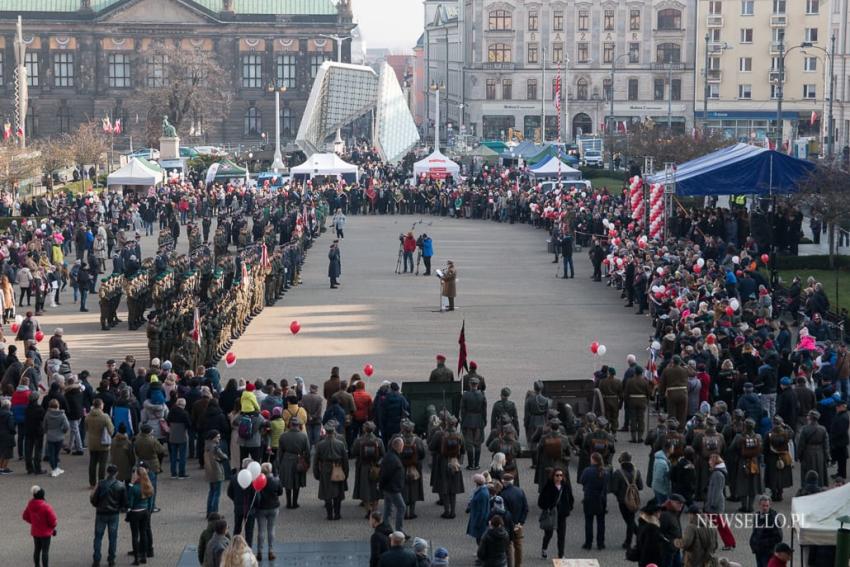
[(362, 407), (409, 246), (781, 555), (42, 520)]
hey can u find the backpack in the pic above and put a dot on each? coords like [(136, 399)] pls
[(450, 445), (751, 447), (631, 499), (710, 445), (245, 429), (552, 447), (369, 451), (599, 445), (677, 440), (409, 458)]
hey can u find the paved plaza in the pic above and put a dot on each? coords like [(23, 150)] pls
[(521, 324)]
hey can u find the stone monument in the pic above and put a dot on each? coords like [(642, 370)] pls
[(169, 142)]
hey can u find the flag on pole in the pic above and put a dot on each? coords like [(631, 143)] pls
[(196, 327), (813, 118), (461, 357), (107, 125), (19, 132), (7, 130), (116, 128)]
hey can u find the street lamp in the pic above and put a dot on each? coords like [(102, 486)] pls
[(706, 93), (610, 122), (830, 140), (337, 39), (436, 88), (277, 164)]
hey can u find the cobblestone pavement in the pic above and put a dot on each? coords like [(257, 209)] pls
[(521, 323)]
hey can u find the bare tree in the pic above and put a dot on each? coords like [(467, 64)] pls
[(55, 155), (87, 146), (649, 138), (187, 85), (17, 165), (825, 193)]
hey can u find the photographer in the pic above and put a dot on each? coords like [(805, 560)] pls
[(408, 246), (426, 250)]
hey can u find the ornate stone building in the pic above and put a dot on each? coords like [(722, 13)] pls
[(87, 59)]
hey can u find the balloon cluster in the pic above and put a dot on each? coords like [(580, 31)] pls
[(598, 349), (252, 476)]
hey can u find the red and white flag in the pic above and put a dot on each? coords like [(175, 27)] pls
[(622, 127), (107, 125), (813, 118), (196, 327), (19, 132), (7, 130), (116, 129)]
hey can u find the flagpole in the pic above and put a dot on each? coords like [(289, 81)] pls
[(543, 102)]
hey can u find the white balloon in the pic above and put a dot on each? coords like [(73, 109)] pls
[(19, 319), (656, 345), (736, 260), (700, 262), (601, 350), (734, 304), (605, 223), (659, 271), (254, 469), (244, 478)]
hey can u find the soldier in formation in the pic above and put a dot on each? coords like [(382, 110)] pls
[(412, 456), (109, 295), (447, 477), (473, 415), (367, 450)]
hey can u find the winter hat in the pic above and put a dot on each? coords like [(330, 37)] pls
[(250, 386), (166, 365), (420, 545)]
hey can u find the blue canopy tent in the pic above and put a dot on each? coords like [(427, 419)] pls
[(738, 170), (524, 150)]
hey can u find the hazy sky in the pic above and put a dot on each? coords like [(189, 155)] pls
[(396, 24)]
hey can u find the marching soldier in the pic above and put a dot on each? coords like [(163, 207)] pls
[(441, 373), (611, 389), (473, 373), (749, 449), (330, 468), (536, 407), (674, 387), (778, 465), (636, 394), (412, 455), (813, 448), (710, 442), (447, 477), (368, 449), (553, 451), (220, 241), (473, 415)]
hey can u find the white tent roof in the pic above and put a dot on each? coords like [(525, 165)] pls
[(134, 173), (436, 165), (550, 168), (816, 516), (325, 164)]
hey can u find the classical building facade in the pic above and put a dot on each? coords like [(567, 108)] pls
[(741, 46), (87, 58), (499, 60)]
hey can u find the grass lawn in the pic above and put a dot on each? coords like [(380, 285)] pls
[(613, 184), (827, 278)]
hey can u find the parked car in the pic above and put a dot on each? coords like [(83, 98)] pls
[(209, 151), (580, 184), (187, 152), (145, 153)]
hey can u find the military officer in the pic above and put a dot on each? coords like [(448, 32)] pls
[(330, 468), (674, 387), (368, 449), (447, 477), (536, 407), (441, 373), (473, 373), (611, 389), (412, 455), (636, 394), (473, 415), (504, 406), (813, 448)]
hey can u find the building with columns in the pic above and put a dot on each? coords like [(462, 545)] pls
[(86, 58), (498, 60)]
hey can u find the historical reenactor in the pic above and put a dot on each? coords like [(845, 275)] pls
[(611, 389), (506, 443), (585, 428), (655, 439), (636, 393), (536, 407), (293, 459), (778, 464), (152, 331), (473, 373), (447, 477), (749, 448), (709, 442), (504, 406), (448, 285), (412, 455), (730, 456), (674, 387), (473, 420), (813, 448), (330, 468), (334, 264), (441, 373), (675, 438), (601, 441), (553, 451), (368, 449)]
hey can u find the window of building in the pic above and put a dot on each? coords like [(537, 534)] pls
[(63, 119), (634, 53), (557, 53), (491, 89), (713, 90), (810, 91), (715, 7), (507, 89), (607, 52), (634, 20), (608, 20), (581, 89), (745, 64), (658, 89), (532, 21), (531, 89), (155, 72), (747, 7), (746, 35), (533, 51), (31, 64), (633, 89), (582, 53), (499, 53), (811, 35), (583, 20), (774, 91), (676, 89), (714, 35), (714, 63), (810, 64), (668, 53), (500, 20), (778, 35), (285, 71), (316, 64), (745, 91), (558, 20), (669, 19), (252, 72), (253, 122), (63, 69), (812, 6), (778, 6), (607, 89), (119, 76)]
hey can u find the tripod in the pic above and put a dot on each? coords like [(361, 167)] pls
[(418, 259), (400, 257)]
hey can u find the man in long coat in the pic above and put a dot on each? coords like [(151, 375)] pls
[(636, 393), (293, 446), (448, 287), (412, 455), (368, 449), (473, 415), (778, 465), (334, 264), (748, 446), (331, 453), (536, 406), (813, 448), (553, 451), (447, 477)]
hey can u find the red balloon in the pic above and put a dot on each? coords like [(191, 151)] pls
[(294, 327), (230, 359), (730, 311), (711, 338), (659, 295), (260, 482), (594, 347), (39, 336), (765, 259), (368, 370), (641, 244), (14, 327), (697, 268)]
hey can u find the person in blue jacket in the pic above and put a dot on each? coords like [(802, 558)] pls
[(427, 247), (478, 509), (594, 479)]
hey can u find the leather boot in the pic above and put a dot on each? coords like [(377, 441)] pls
[(446, 507), (288, 498), (477, 457), (337, 506), (329, 509), (295, 492), (470, 459)]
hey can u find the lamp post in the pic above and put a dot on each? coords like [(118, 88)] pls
[(436, 88), (830, 140), (277, 164), (337, 39), (706, 93), (461, 131), (610, 122)]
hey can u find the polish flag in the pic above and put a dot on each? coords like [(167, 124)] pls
[(107, 125), (116, 129), (19, 132), (7, 131), (813, 118)]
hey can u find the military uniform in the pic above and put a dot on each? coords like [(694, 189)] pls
[(600, 441), (368, 449), (482, 385), (504, 407), (813, 448), (674, 387), (536, 407), (636, 394), (441, 373), (748, 445), (473, 416), (331, 453), (611, 389), (553, 450), (710, 442), (447, 476), (778, 465), (412, 455), (507, 444), (109, 295), (293, 447)]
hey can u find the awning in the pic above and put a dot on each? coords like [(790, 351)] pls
[(136, 172)]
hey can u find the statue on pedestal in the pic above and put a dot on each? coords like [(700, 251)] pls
[(168, 130)]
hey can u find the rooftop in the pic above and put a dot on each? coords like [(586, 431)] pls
[(285, 7)]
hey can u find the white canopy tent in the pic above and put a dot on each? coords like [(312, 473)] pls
[(816, 516), (549, 168), (332, 165), (135, 173), (436, 166)]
